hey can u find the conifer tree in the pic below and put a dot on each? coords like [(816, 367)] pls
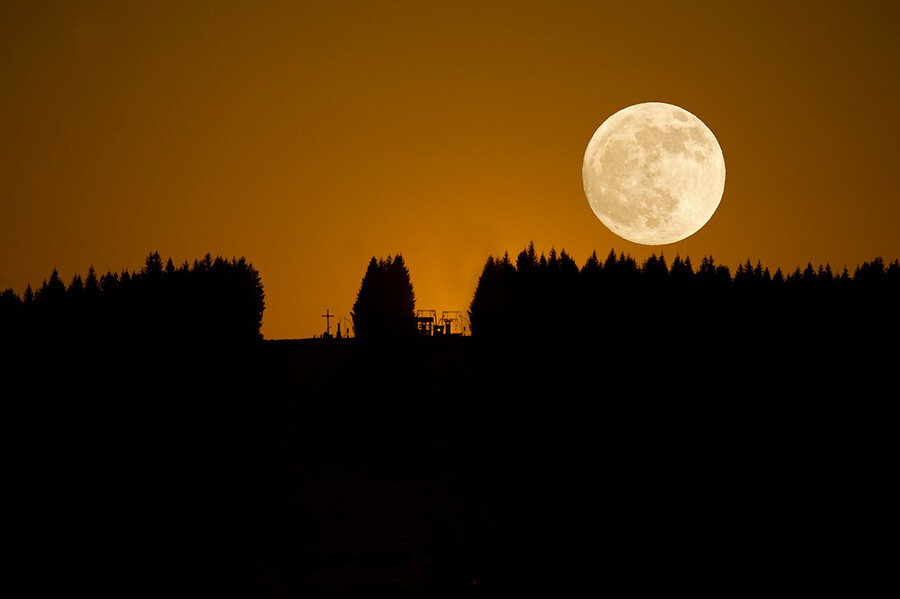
[(385, 304), (92, 285), (52, 292)]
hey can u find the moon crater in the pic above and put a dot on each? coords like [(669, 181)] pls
[(653, 173)]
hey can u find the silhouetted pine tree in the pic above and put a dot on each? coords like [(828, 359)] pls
[(527, 260), (92, 285), (365, 309), (682, 271), (654, 270), (153, 267), (490, 310), (385, 304), (9, 300), (75, 290), (170, 268), (52, 292), (403, 307), (552, 309), (592, 266)]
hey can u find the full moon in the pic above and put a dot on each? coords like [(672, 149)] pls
[(653, 173)]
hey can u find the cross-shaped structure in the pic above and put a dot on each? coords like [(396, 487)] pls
[(328, 316)]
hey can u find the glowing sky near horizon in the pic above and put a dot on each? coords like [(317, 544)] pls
[(310, 136)]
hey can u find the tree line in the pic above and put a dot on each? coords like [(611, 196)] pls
[(550, 295), (209, 300)]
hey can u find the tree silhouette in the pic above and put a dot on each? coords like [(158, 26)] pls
[(385, 304), (490, 310), (52, 292), (217, 302), (618, 300), (92, 285)]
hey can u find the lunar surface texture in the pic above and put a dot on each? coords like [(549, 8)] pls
[(653, 173)]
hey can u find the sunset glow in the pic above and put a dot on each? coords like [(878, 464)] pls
[(310, 137)]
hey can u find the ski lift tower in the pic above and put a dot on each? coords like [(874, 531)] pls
[(452, 323), (425, 322)]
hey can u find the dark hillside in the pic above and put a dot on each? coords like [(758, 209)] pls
[(428, 465), (687, 430), (442, 467)]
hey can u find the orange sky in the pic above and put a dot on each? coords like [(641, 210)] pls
[(311, 136)]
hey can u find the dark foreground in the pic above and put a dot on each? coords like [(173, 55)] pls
[(450, 468)]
